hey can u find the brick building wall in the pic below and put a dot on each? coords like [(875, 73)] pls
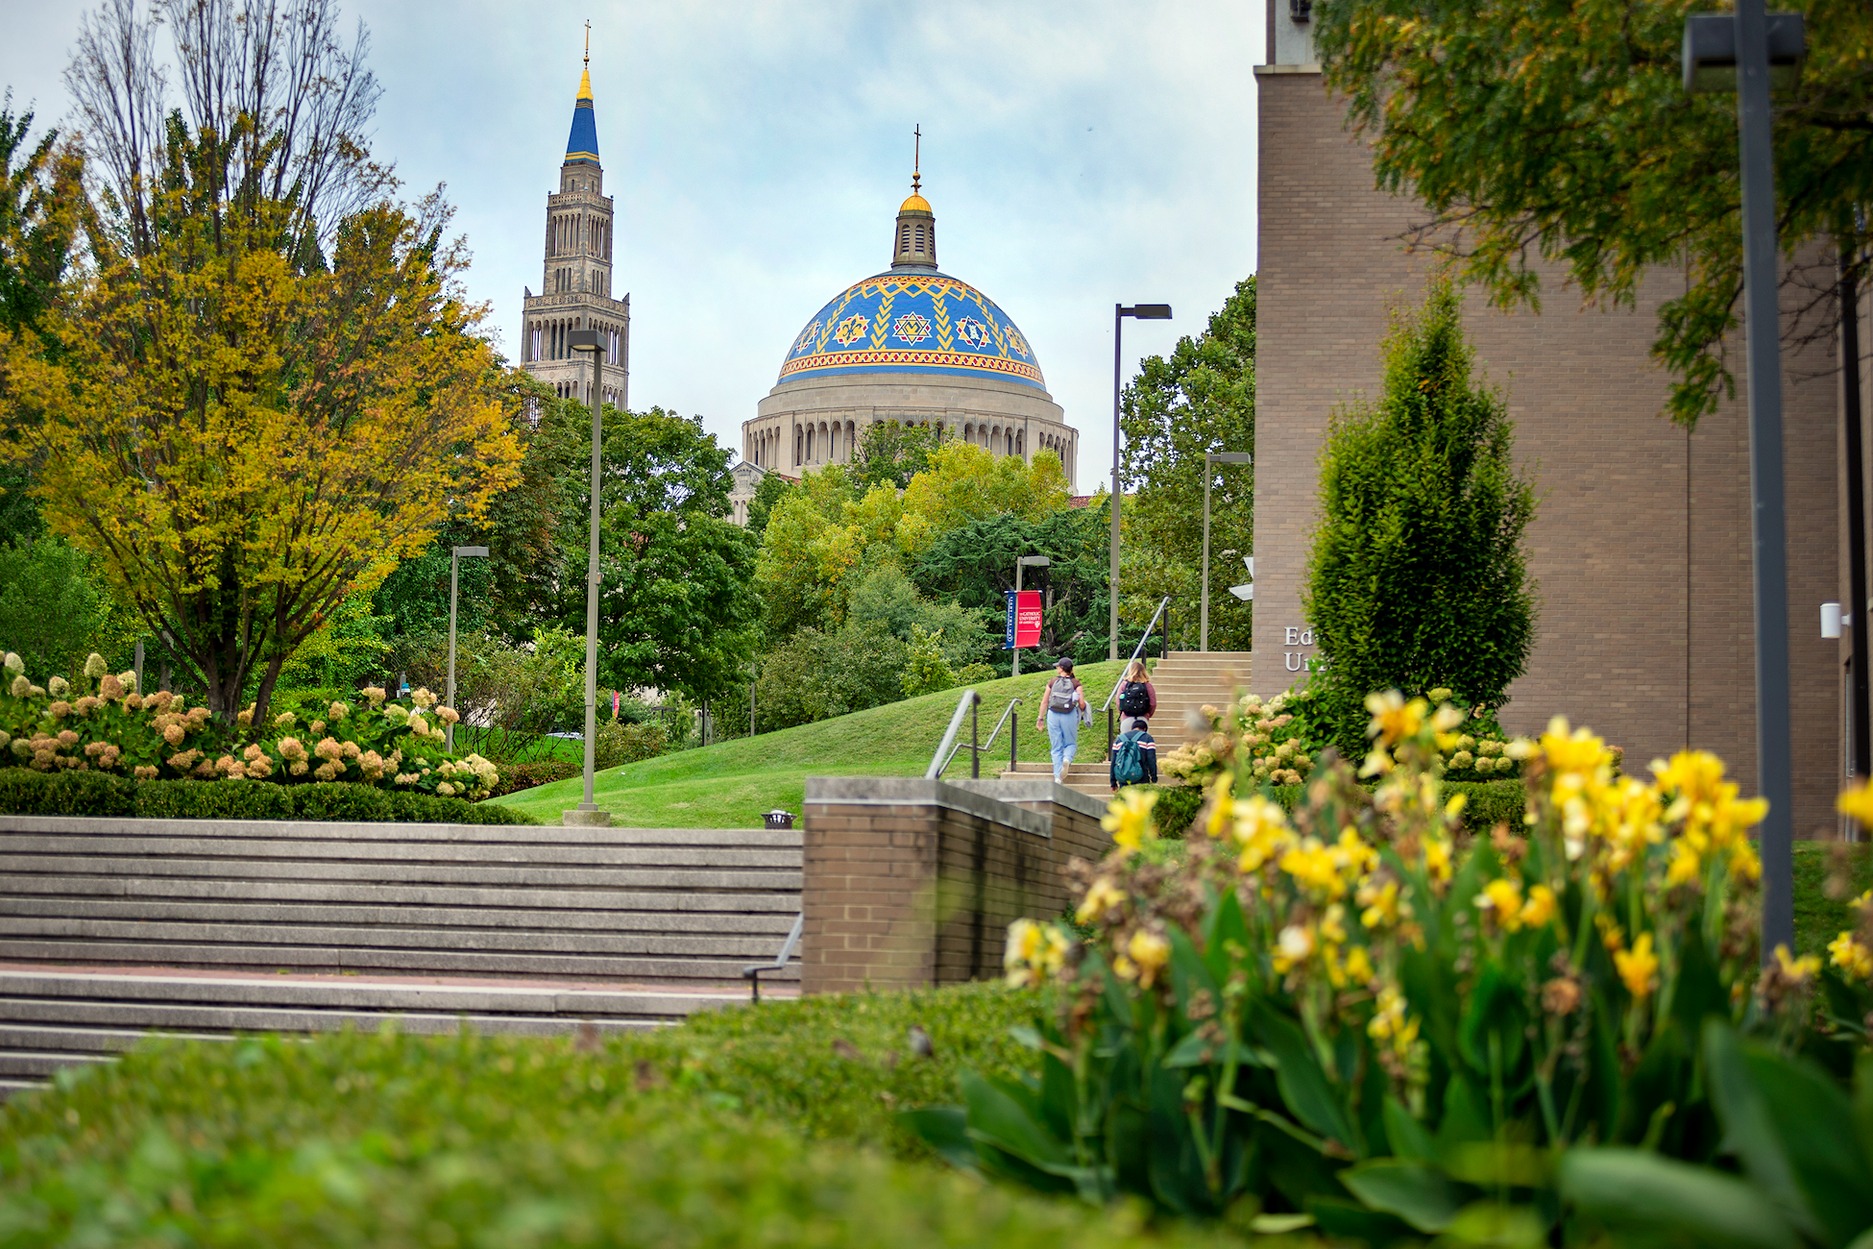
[(1640, 549)]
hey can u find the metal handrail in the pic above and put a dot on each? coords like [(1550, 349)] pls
[(993, 734), (753, 974), (1166, 602), (941, 759)]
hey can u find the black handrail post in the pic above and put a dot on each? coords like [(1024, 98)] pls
[(1108, 730), (975, 741), (1014, 756)]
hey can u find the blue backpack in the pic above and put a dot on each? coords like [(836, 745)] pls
[(1128, 759)]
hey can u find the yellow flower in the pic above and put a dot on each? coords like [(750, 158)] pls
[(1578, 751), (1859, 804), (1686, 865), (1437, 859), (1800, 970), (1390, 1025), (1638, 967), (1102, 898), (1148, 952), (1394, 719), (1033, 952), (1358, 965), (1851, 956), (1260, 831), (1503, 899), (1293, 947), (1314, 868), (1540, 907), (1381, 903), (1128, 819)]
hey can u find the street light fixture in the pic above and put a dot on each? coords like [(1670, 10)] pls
[(456, 555), (1026, 561), (588, 812), (1210, 458), (1141, 312), (1753, 42)]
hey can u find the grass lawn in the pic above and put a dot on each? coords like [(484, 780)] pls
[(1828, 876), (730, 784)]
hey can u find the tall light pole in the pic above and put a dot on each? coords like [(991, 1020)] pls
[(588, 812), (1026, 561), (1142, 312), (456, 555), (1751, 41), (1209, 458)]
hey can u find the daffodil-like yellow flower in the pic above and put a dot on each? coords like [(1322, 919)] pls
[(1358, 965), (1381, 902), (1539, 910), (1851, 956), (1260, 831), (1034, 952), (1294, 946), (1858, 802), (1638, 967), (1102, 899), (1147, 952), (1390, 1025), (1315, 868), (1686, 864), (1502, 900), (1578, 752), (1800, 970), (1437, 859), (1128, 819), (1394, 719), (1222, 807)]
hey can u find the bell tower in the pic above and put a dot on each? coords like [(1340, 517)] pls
[(576, 270)]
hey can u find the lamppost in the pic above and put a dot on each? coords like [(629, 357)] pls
[(1753, 41), (1026, 561), (456, 555), (1142, 312), (588, 812), (1209, 458)]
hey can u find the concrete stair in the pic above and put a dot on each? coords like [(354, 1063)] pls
[(1185, 682), (109, 928)]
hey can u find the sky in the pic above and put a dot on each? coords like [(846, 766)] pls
[(1077, 154)]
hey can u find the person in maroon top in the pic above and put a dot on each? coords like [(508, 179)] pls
[(1137, 700)]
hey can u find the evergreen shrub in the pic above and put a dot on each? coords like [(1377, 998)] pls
[(1417, 580)]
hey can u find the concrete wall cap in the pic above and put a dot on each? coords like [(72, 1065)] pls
[(919, 791), (1036, 789)]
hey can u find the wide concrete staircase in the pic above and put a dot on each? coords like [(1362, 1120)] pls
[(1185, 682), (113, 928)]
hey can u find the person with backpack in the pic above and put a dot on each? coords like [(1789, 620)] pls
[(1134, 756), (1137, 699), (1061, 708)]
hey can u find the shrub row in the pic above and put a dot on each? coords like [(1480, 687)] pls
[(674, 1139), (1485, 803), (519, 776), (24, 792)]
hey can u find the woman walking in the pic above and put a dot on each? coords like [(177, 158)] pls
[(1137, 699), (1060, 715)]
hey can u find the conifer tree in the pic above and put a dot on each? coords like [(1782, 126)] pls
[(1417, 578)]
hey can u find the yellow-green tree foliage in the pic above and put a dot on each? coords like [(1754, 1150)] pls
[(820, 537), (239, 438)]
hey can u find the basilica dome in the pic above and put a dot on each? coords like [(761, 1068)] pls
[(911, 344), (912, 321)]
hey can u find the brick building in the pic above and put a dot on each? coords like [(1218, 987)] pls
[(1640, 548)]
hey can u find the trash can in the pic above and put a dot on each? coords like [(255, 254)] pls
[(779, 819)]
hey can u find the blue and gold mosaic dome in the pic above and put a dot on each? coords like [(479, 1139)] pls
[(912, 321)]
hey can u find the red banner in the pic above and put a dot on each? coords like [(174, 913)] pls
[(1027, 619)]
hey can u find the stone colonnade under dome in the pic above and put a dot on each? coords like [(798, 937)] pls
[(791, 444)]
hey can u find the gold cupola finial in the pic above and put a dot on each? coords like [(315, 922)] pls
[(585, 76)]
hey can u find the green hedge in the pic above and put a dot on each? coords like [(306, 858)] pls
[(703, 1135), (25, 792), (1177, 807), (518, 776), (1486, 803)]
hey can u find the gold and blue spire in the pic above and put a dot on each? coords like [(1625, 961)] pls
[(582, 142)]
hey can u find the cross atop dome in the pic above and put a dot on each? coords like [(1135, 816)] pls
[(582, 142), (913, 245)]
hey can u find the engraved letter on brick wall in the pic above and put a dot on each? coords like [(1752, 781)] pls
[(1293, 639)]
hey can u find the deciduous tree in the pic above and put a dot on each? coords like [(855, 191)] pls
[(1562, 132)]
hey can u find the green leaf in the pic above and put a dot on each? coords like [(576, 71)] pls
[(1815, 1124), (1494, 1008), (1628, 1190), (944, 1129), (1749, 1130), (1407, 1136), (1279, 1224), (1304, 1086), (999, 1117), (1421, 1195), (1498, 1226)]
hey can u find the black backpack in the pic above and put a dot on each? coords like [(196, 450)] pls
[(1136, 700)]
